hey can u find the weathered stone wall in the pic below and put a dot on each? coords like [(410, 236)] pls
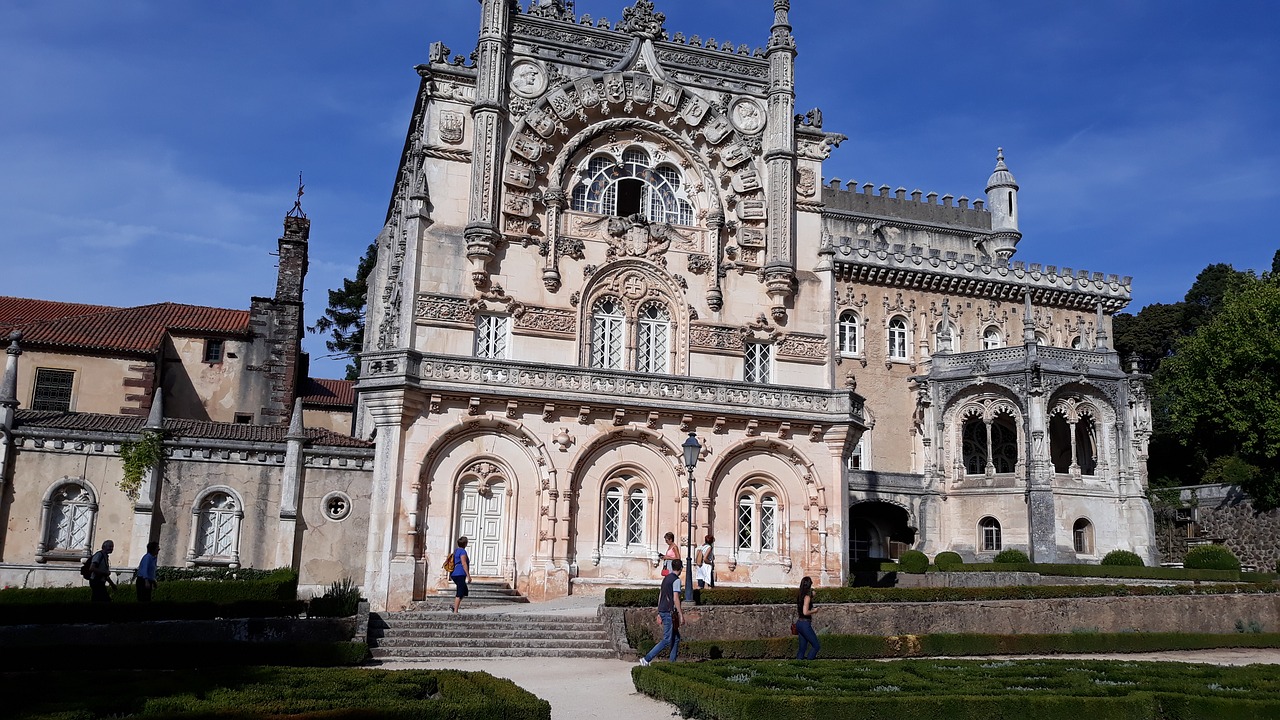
[(1222, 513), (1190, 613)]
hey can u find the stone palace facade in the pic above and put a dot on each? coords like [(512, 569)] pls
[(605, 237)]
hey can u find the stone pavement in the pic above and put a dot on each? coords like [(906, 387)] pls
[(586, 689)]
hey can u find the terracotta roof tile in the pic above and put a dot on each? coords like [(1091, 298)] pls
[(328, 393), (132, 330), (128, 425), (17, 311)]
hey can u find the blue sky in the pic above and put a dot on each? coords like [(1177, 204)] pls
[(148, 150)]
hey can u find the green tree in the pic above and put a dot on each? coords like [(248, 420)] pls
[(1150, 335), (1221, 389), (1208, 292), (344, 319)]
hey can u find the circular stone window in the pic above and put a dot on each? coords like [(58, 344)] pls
[(337, 505)]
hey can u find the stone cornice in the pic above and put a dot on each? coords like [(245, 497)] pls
[(186, 448), (1076, 292), (476, 377)]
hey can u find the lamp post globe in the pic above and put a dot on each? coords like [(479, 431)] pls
[(692, 448)]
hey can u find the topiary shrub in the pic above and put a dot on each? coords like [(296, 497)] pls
[(1123, 557), (1012, 556), (914, 562), (1211, 557), (948, 559)]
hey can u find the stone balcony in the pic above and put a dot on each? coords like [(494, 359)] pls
[(1105, 363), (458, 376)]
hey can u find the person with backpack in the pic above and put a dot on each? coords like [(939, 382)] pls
[(459, 567), (705, 563), (100, 573), (669, 612)]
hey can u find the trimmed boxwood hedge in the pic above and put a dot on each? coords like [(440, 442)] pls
[(946, 560), (1120, 571), (964, 689), (1123, 558), (1012, 556), (620, 597), (1211, 557), (914, 562), (899, 646), (276, 585), (258, 692), (87, 612), (171, 656)]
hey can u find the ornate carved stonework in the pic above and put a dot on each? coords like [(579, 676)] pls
[(644, 21), (717, 338), (452, 125), (804, 346), (539, 320), (528, 79), (443, 309)]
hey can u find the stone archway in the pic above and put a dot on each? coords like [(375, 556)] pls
[(878, 532)]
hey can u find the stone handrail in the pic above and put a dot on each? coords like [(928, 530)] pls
[(455, 375), (1051, 358)]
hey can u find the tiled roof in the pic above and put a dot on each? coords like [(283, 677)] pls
[(173, 427), (339, 394), (132, 330), (16, 310)]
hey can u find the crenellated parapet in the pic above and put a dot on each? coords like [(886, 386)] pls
[(884, 202), (915, 267)]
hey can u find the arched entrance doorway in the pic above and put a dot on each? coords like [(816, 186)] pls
[(879, 532), (480, 518)]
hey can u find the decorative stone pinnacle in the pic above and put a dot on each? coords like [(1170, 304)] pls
[(642, 20), (14, 348)]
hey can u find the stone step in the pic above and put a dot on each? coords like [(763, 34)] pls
[(478, 618), (456, 631), (422, 653), (493, 643)]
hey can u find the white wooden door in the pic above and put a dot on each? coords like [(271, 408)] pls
[(480, 520)]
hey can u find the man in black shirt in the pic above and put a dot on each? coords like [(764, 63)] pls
[(669, 613)]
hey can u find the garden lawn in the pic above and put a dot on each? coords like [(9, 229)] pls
[(265, 692), (963, 689)]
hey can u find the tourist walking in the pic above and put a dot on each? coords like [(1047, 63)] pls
[(145, 580), (100, 573), (672, 554), (669, 613), (461, 573), (705, 563), (804, 620)]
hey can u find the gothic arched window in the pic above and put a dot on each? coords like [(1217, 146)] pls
[(848, 327), (990, 446), (624, 515), (636, 185), (1073, 443), (989, 534), (216, 532), (606, 334), (992, 339), (70, 512), (757, 519), (1082, 536), (653, 339), (898, 338)]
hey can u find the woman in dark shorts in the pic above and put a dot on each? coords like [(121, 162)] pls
[(461, 574)]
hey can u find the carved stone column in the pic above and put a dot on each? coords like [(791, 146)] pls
[(554, 199), (715, 224), (489, 120), (388, 578), (780, 160)]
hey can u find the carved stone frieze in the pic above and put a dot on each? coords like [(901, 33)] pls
[(716, 338), (804, 346), (435, 309), (540, 320)]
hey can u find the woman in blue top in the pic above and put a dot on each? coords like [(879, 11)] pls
[(461, 574)]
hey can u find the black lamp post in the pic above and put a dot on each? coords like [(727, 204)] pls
[(692, 448)]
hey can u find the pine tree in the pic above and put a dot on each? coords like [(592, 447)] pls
[(344, 319)]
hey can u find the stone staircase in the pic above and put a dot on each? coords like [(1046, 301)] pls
[(495, 621), (430, 634), (481, 593)]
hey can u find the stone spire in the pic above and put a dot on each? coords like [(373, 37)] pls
[(1002, 196), (1100, 333), (296, 431), (780, 162), (155, 418), (1028, 322), (9, 384)]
